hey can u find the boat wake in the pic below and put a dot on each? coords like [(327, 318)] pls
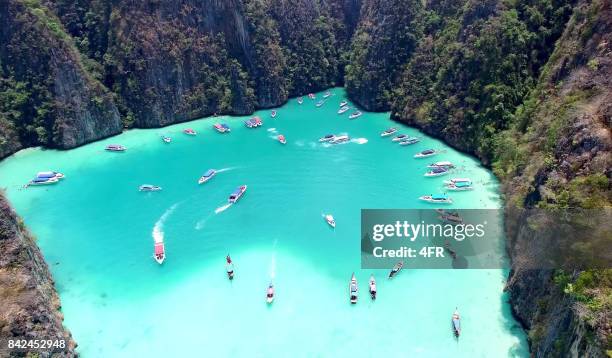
[(300, 143), (359, 140), (200, 224), (272, 130), (222, 208), (158, 228), (273, 261), (226, 169)]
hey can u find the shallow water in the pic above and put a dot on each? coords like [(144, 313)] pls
[(96, 231)]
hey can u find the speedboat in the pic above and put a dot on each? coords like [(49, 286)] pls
[(300, 100), (355, 115), (340, 139), (149, 187), (330, 220), (281, 138), (258, 122), (436, 199), (436, 172), (229, 268), (353, 289), (189, 131), (426, 153), (166, 139), (159, 252), (451, 218), (42, 181), (327, 94), (343, 103), (343, 109), (388, 132), (399, 137), (207, 176), (396, 269), (115, 148), (409, 141), (270, 293), (372, 287), (457, 180), (320, 103), (460, 186), (50, 174), (327, 138), (237, 194), (444, 164), (456, 320), (250, 123), (273, 114), (221, 127), (312, 96)]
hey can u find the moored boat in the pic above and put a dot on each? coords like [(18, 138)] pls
[(189, 131), (409, 141), (159, 252), (399, 138), (372, 287), (207, 176), (327, 138), (388, 132), (281, 139), (320, 103), (343, 109), (273, 114), (50, 174), (221, 127), (426, 153), (353, 289), (166, 139), (149, 187), (340, 139), (330, 220), (396, 269), (457, 180), (443, 164), (436, 172), (42, 181), (300, 100), (258, 122), (229, 267), (343, 103), (270, 293), (456, 321), (327, 94), (450, 217), (115, 148), (355, 115), (460, 186), (237, 194), (249, 123), (436, 199), (312, 96)]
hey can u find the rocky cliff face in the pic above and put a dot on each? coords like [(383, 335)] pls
[(48, 97), (30, 305)]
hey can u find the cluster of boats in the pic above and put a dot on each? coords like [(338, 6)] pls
[(253, 122), (222, 128), (401, 139), (354, 288), (45, 178)]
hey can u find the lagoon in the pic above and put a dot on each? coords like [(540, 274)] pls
[(96, 231)]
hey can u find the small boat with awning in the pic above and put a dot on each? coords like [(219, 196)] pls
[(388, 132), (326, 94), (456, 321), (396, 269), (115, 148), (166, 139), (330, 220), (222, 128), (399, 138), (300, 100), (436, 199), (372, 287), (189, 131), (327, 138), (426, 153), (270, 293), (409, 141), (436, 172), (273, 114), (281, 139), (343, 103), (207, 176), (320, 103), (149, 187), (159, 252), (229, 267), (50, 174), (460, 186), (457, 180), (443, 164), (237, 194), (343, 109), (353, 289), (42, 181), (340, 139), (355, 115)]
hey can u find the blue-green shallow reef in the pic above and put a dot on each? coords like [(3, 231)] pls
[(96, 231)]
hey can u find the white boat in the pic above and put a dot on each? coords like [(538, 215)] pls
[(436, 199), (399, 138), (207, 176), (327, 94), (340, 139), (396, 269), (159, 252), (372, 287), (355, 115), (237, 194), (444, 164), (115, 148), (229, 268), (388, 132), (42, 181), (353, 289), (456, 320), (166, 139), (312, 96), (330, 220), (270, 293), (50, 174), (273, 114), (222, 128), (426, 153), (343, 103), (149, 187), (460, 186), (281, 139), (436, 172), (320, 103), (409, 141), (189, 131), (457, 180), (300, 100), (343, 109), (327, 138)]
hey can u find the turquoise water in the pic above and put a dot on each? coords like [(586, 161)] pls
[(96, 231)]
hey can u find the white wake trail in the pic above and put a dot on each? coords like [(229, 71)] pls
[(158, 228)]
